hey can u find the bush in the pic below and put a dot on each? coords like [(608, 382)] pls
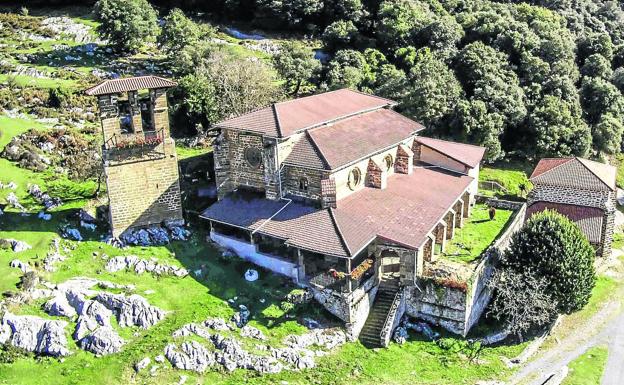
[(555, 249), (59, 97)]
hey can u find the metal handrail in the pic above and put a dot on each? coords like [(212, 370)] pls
[(113, 141)]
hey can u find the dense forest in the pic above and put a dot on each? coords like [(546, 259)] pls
[(525, 79)]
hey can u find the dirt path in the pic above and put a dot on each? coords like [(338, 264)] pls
[(605, 327)]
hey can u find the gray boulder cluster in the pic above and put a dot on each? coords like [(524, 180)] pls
[(155, 235), (141, 266), (92, 310), (65, 27), (229, 353), (54, 256), (34, 334), (23, 266)]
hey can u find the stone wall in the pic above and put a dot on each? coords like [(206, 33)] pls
[(602, 199), (291, 177), (352, 308), (145, 191)]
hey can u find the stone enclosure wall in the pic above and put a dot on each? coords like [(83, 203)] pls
[(454, 307)]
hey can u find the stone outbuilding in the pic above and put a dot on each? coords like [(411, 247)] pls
[(340, 193), (582, 190)]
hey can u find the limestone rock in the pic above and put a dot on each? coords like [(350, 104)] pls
[(104, 340), (17, 264), (190, 329), (34, 334), (297, 359), (59, 306), (131, 311), (241, 317), (142, 364), (217, 324), (400, 335), (191, 356), (252, 332)]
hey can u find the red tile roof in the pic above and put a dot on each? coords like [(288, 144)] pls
[(405, 212), (286, 118), (466, 154), (305, 154), (589, 219), (574, 172), (116, 86), (354, 138)]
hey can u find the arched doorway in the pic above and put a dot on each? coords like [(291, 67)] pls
[(390, 264)]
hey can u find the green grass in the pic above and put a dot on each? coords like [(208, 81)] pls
[(477, 234), (33, 82), (588, 368), (185, 152), (618, 161), (510, 175)]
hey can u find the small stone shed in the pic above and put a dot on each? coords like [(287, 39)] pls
[(582, 190)]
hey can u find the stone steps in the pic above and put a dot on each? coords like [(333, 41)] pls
[(370, 335)]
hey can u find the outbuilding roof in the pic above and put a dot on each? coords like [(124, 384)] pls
[(115, 86), (575, 172), (589, 219), (286, 118), (466, 154)]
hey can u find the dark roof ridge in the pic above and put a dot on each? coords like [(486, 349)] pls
[(339, 232), (277, 121), (318, 149), (94, 90)]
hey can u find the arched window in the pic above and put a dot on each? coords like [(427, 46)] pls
[(303, 184), (355, 177), (389, 162), (253, 156)]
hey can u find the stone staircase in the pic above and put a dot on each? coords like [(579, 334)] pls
[(371, 332)]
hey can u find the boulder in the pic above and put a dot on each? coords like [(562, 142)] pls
[(34, 334), (72, 233), (93, 315), (191, 356), (59, 306), (241, 317), (218, 324), (400, 335), (131, 311), (104, 340), (252, 332), (17, 264), (142, 364)]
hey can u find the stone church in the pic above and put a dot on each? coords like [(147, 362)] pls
[(139, 154), (341, 193), (582, 190)]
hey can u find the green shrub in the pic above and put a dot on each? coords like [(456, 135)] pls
[(554, 248), (59, 97), (128, 24)]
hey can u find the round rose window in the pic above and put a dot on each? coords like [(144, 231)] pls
[(253, 156)]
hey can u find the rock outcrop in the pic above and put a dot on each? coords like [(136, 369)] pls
[(34, 334), (141, 266), (131, 311)]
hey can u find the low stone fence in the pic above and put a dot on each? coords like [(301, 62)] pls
[(499, 203)]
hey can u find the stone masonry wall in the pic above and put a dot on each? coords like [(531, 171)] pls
[(143, 193), (291, 176)]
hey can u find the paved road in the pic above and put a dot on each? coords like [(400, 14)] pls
[(614, 371)]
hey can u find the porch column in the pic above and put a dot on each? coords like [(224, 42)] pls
[(466, 199), (440, 236), (450, 224), (459, 216), (428, 250), (348, 277), (300, 267)]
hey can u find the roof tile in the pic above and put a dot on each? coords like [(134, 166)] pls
[(466, 154), (116, 86)]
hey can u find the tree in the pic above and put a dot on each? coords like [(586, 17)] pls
[(352, 10), (618, 78), (195, 101), (599, 96), (348, 69), (553, 248), (597, 66), (127, 24), (296, 64), (434, 90), (595, 43), (608, 134), (178, 32), (399, 20), (340, 34), (559, 131), (521, 299), (474, 121)]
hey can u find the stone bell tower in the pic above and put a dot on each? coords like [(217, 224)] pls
[(139, 154)]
